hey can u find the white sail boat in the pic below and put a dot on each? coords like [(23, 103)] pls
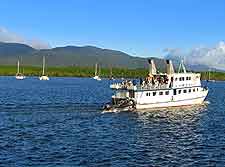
[(43, 77), (209, 79), (97, 73), (19, 75), (111, 74)]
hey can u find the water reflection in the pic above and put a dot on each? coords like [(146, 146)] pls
[(170, 135), (173, 114)]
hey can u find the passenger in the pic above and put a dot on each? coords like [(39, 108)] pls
[(166, 80), (156, 83), (141, 80), (150, 78), (143, 84), (153, 81), (146, 80), (162, 80), (130, 83), (158, 80)]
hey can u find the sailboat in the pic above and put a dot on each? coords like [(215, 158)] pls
[(19, 75), (209, 80), (43, 77), (111, 74), (97, 73)]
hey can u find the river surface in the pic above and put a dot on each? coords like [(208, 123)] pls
[(60, 123)]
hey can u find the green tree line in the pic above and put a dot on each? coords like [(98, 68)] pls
[(76, 71)]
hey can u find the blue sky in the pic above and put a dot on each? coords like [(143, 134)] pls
[(138, 27)]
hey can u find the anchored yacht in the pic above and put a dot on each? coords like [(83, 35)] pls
[(43, 77), (97, 73), (159, 90), (19, 75)]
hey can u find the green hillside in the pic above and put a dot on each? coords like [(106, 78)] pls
[(73, 56), (89, 72), (73, 71)]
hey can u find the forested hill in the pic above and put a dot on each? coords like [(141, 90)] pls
[(85, 56), (70, 56)]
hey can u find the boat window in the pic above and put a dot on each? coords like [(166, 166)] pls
[(187, 78), (185, 91), (193, 90), (154, 93), (174, 92), (160, 93), (189, 90), (175, 79), (148, 94), (197, 89), (167, 92), (179, 91), (181, 78)]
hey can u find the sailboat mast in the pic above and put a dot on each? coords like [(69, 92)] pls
[(43, 68), (111, 75), (96, 69), (18, 67), (99, 70), (209, 75)]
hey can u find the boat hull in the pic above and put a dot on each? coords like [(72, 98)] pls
[(44, 78), (177, 103), (97, 78), (20, 77)]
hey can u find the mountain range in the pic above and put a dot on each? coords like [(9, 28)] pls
[(69, 56), (76, 56)]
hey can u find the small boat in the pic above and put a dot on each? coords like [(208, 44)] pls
[(19, 75), (97, 73), (124, 105), (43, 77), (209, 79), (111, 74), (158, 90)]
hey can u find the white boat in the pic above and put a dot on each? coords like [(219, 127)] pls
[(97, 73), (19, 75), (111, 74), (209, 79), (43, 77), (159, 90)]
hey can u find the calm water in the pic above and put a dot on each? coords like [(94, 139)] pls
[(60, 123)]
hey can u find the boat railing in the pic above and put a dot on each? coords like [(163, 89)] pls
[(153, 87), (139, 87)]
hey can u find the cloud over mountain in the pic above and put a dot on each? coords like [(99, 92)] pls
[(213, 57), (11, 37)]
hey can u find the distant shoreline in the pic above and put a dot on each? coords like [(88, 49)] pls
[(76, 71)]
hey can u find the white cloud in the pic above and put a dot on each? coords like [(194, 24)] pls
[(11, 37), (213, 57)]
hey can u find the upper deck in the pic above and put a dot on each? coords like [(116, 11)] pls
[(169, 80), (177, 80)]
